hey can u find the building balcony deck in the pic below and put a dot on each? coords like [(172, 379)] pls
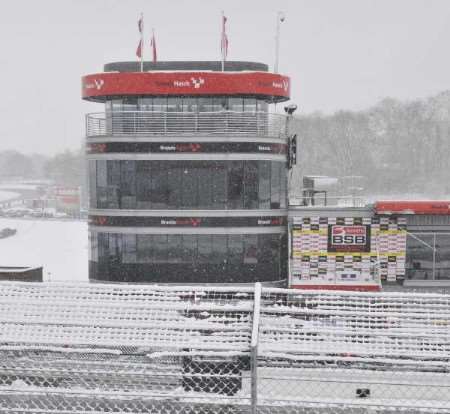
[(223, 123)]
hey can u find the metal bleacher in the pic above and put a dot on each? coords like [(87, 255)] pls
[(91, 348)]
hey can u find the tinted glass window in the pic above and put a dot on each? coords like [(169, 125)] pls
[(205, 248), (186, 104), (92, 165), (143, 185), (236, 104), (235, 184), (264, 184), (219, 249), (283, 187), (144, 248), (174, 248), (160, 248), (275, 186), (129, 248), (189, 189), (251, 249), (189, 248), (205, 185), (251, 184), (219, 185), (159, 189), (127, 184), (159, 104), (188, 184), (194, 258)]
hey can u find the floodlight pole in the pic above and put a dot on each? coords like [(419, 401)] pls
[(280, 19)]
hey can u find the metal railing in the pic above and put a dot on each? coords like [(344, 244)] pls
[(324, 200), (71, 348), (143, 123)]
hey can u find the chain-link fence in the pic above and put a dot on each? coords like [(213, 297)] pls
[(152, 349)]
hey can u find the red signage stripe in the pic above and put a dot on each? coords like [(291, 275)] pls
[(413, 207), (98, 86)]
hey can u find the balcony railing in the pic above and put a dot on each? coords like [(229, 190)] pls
[(142, 123)]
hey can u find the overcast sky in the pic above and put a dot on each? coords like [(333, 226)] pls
[(340, 54)]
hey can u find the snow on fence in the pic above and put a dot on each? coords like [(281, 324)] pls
[(91, 348)]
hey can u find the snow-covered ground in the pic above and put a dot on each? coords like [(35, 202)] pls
[(60, 246), (7, 195), (18, 186)]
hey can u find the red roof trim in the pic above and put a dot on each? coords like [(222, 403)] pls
[(413, 207), (98, 86)]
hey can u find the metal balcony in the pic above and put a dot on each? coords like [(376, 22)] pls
[(143, 123)]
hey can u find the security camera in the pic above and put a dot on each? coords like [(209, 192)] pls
[(290, 109)]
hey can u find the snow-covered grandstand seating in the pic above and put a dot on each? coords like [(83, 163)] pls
[(72, 348)]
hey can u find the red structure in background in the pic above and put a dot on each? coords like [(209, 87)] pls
[(413, 207)]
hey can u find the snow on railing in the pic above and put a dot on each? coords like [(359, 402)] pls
[(185, 123), (120, 348)]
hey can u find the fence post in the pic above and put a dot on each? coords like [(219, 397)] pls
[(254, 347)]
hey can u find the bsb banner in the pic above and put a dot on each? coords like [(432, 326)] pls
[(348, 238), (335, 251)]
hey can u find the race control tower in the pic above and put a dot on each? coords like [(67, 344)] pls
[(187, 173)]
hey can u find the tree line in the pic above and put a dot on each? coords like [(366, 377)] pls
[(65, 169), (393, 147)]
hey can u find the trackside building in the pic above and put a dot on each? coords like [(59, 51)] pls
[(187, 173)]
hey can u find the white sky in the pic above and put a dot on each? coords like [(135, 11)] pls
[(340, 54)]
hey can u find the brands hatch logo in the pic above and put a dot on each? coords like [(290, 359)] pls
[(195, 82), (98, 84)]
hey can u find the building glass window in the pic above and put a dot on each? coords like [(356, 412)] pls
[(129, 248), (205, 185), (174, 186), (264, 184), (190, 105), (174, 248), (250, 249), (419, 256), (235, 184), (159, 189), (218, 185), (186, 104), (143, 185), (127, 184), (189, 189), (92, 174), (144, 248), (159, 104), (145, 104), (236, 104), (249, 105), (275, 186), (251, 184), (235, 258)]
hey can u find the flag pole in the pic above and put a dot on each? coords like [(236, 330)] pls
[(280, 19), (142, 42), (222, 42)]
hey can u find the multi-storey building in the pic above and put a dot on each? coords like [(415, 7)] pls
[(187, 173)]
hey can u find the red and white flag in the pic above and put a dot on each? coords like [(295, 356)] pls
[(224, 40), (141, 31), (153, 45)]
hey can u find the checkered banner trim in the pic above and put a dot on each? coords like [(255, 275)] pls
[(313, 259)]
